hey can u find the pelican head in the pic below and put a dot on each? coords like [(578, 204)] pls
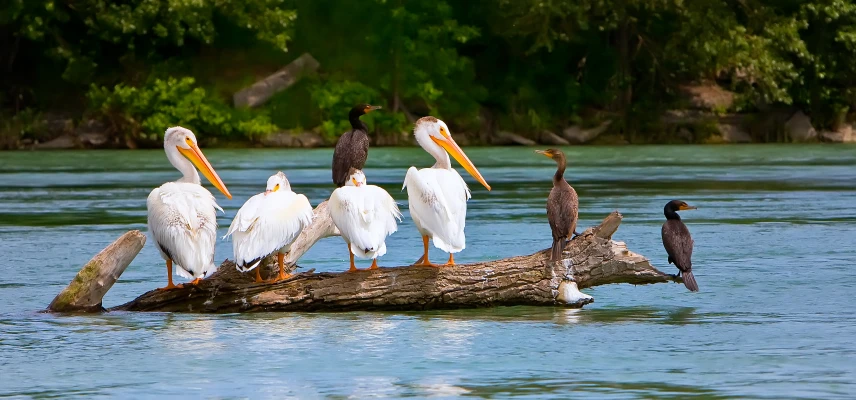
[(277, 182), (434, 136), (356, 178), (181, 141)]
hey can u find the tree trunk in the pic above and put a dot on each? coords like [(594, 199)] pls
[(590, 259)]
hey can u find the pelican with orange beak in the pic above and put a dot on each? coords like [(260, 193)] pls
[(182, 215), (437, 196)]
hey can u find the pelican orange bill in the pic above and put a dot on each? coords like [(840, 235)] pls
[(449, 144), (194, 154)]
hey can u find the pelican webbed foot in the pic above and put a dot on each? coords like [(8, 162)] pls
[(351, 255), (423, 261), (451, 261), (282, 274), (169, 285)]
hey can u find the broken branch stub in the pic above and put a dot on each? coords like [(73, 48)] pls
[(86, 290)]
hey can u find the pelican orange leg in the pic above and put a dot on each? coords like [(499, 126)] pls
[(451, 260), (374, 264), (353, 267), (169, 285), (424, 260), (280, 259)]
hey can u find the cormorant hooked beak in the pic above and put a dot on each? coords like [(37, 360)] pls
[(545, 153), (685, 207), (369, 109)]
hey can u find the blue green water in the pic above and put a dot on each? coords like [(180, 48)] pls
[(774, 255)]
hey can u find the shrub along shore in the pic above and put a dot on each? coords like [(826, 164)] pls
[(96, 74)]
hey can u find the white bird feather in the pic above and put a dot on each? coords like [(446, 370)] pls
[(268, 223), (437, 196), (182, 215), (365, 215)]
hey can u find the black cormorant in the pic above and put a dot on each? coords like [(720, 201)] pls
[(352, 149), (678, 242), (562, 205)]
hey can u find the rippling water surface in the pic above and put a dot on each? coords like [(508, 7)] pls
[(774, 258)]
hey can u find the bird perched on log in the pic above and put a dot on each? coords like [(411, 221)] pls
[(269, 223), (182, 215), (352, 149), (562, 205), (437, 196), (365, 215), (678, 242)]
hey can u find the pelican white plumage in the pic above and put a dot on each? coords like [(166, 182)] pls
[(182, 215), (365, 215), (269, 223), (437, 196)]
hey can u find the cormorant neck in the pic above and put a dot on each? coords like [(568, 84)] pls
[(670, 213), (356, 123), (560, 170)]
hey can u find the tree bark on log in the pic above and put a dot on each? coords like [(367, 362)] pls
[(86, 290), (590, 259)]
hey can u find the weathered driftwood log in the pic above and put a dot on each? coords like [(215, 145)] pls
[(264, 89), (86, 290), (590, 259)]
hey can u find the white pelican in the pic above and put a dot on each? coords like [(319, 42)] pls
[(437, 196), (365, 215), (269, 223), (182, 214)]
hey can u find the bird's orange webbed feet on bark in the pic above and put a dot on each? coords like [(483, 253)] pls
[(451, 260), (423, 261), (374, 264), (351, 255), (169, 285), (280, 259)]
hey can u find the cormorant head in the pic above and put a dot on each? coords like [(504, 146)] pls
[(555, 154), (677, 205), (356, 178), (276, 183), (361, 109)]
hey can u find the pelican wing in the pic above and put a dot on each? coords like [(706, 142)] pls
[(365, 216), (183, 221), (437, 199), (247, 215), (267, 224)]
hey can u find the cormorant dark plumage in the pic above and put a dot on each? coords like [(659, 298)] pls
[(679, 243), (352, 149), (562, 206)]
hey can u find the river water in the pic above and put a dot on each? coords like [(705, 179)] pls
[(774, 255)]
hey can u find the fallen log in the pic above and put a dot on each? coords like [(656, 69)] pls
[(259, 92), (590, 259), (92, 282)]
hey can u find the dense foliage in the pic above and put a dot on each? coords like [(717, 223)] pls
[(520, 65)]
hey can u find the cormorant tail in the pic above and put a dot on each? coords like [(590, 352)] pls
[(558, 247), (689, 281)]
